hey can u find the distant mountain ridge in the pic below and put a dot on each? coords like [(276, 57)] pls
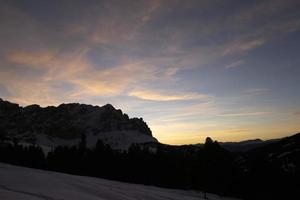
[(66, 123), (243, 146), (246, 145)]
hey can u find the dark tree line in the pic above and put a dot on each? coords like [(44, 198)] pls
[(29, 156), (210, 169)]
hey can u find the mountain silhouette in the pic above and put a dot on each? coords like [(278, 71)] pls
[(65, 124)]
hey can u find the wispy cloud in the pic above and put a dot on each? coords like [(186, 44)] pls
[(265, 8), (155, 4), (256, 91), (235, 64), (86, 79), (161, 96), (34, 59), (234, 130), (297, 113), (243, 114), (171, 71), (241, 46)]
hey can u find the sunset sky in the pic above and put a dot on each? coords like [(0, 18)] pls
[(193, 68)]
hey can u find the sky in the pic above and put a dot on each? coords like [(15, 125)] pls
[(191, 69)]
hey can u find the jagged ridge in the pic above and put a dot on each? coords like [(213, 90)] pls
[(67, 122)]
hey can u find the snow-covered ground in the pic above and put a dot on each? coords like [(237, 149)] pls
[(20, 183), (118, 140)]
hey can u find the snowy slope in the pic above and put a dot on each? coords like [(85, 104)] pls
[(119, 140), (20, 183)]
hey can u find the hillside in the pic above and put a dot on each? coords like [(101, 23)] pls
[(20, 183), (65, 124), (86, 140)]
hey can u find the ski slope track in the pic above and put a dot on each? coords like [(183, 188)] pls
[(20, 183)]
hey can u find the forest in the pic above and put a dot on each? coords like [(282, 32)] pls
[(209, 169)]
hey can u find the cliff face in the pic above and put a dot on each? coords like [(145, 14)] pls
[(64, 125)]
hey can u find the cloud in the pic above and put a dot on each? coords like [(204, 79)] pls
[(297, 113), (233, 130), (171, 71), (256, 91), (115, 24), (160, 96), (155, 4), (253, 39), (265, 8), (86, 79), (243, 114), (241, 46), (257, 24), (112, 81), (187, 113), (72, 69), (35, 59), (235, 64), (30, 90)]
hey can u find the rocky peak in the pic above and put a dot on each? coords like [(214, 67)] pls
[(70, 121)]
